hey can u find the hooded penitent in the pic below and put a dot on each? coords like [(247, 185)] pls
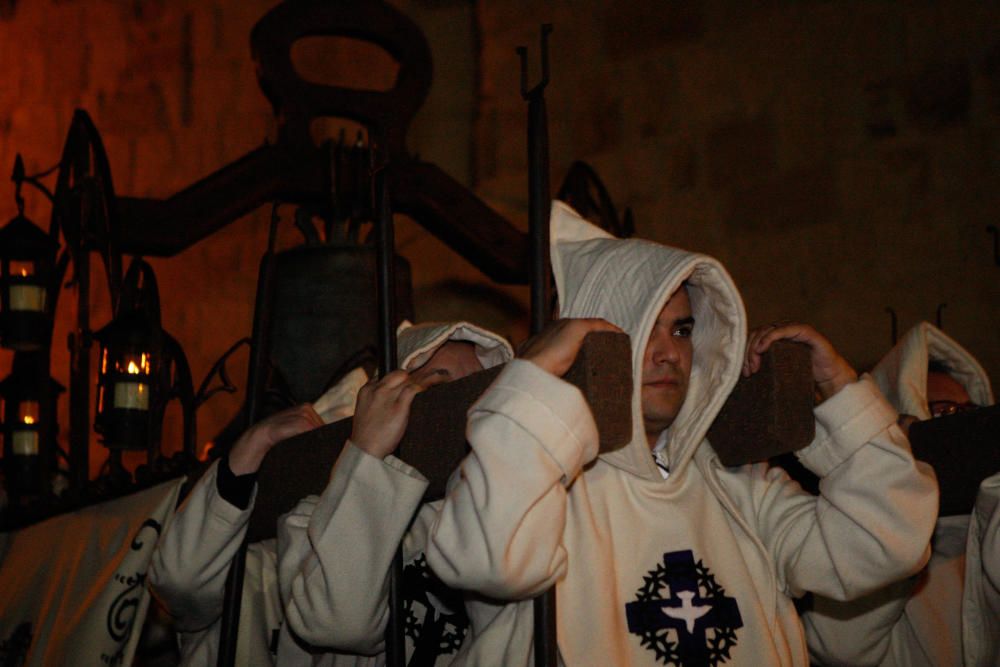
[(415, 344), (366, 508), (695, 569), (628, 283), (950, 614), (902, 373), (335, 549)]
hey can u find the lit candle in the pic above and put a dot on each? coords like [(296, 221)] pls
[(132, 395), (25, 443), (28, 412), (21, 268)]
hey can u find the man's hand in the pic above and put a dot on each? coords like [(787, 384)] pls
[(383, 410), (248, 452), (831, 372), (905, 422), (555, 348)]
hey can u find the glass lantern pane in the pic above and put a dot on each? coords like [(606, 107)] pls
[(132, 395), (25, 443), (27, 297)]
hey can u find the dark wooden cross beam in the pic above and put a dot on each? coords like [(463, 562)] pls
[(769, 413), (963, 449), (434, 442)]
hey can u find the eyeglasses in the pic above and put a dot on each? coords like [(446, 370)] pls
[(948, 408)]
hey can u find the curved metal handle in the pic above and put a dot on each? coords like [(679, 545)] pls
[(297, 102)]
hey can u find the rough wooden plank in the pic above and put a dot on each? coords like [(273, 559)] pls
[(770, 412), (434, 442)]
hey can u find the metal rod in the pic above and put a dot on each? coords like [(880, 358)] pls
[(545, 644), (79, 392), (385, 277), (395, 640), (259, 346), (538, 212), (894, 324), (229, 632)]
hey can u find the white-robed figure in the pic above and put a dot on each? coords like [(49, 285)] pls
[(189, 568), (658, 553), (335, 550), (950, 613)]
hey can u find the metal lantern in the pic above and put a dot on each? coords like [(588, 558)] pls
[(29, 398), (27, 264), (130, 388)]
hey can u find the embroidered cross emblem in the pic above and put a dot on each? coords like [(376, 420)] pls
[(687, 612), (683, 615), (440, 631)]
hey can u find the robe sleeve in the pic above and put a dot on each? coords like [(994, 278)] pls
[(872, 522), (189, 567), (981, 597), (335, 551), (857, 633), (499, 531)]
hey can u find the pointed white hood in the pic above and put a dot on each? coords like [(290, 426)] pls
[(415, 344), (902, 373), (627, 282)]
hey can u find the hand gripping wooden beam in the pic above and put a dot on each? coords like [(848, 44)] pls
[(767, 414), (434, 442)]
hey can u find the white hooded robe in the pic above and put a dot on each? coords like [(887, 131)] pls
[(361, 517), (335, 549), (950, 613), (699, 568)]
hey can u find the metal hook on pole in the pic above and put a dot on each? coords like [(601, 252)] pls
[(539, 192), (895, 323), (522, 52)]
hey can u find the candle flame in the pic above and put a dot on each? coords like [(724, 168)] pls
[(132, 368), (28, 419), (24, 272)]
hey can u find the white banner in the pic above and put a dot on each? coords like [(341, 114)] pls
[(73, 588)]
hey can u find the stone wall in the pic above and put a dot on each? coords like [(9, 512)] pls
[(838, 157)]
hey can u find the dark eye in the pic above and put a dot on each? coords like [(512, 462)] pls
[(684, 331)]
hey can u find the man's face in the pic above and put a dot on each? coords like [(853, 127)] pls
[(946, 395), (666, 365), (451, 361)]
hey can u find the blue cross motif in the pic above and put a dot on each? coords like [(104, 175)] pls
[(686, 612)]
